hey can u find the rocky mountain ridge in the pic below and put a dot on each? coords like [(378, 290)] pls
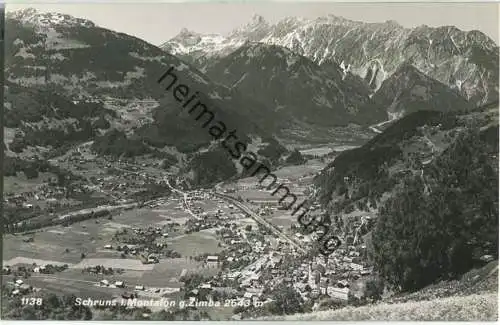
[(310, 94), (466, 61)]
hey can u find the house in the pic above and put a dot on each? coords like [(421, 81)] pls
[(139, 287), (339, 293), (212, 259), (205, 286), (354, 254), (18, 282), (92, 270), (347, 259), (127, 295), (254, 292), (108, 246), (104, 283), (342, 283), (234, 275), (193, 293), (356, 267), (153, 259), (119, 284)]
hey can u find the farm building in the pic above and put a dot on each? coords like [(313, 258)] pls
[(39, 269), (212, 259), (153, 259)]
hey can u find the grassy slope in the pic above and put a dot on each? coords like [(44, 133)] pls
[(482, 307)]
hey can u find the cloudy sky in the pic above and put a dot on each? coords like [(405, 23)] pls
[(157, 22)]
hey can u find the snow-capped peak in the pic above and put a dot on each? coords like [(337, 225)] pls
[(257, 20), (253, 30), (32, 16), (186, 33)]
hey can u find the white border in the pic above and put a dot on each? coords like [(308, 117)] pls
[(48, 322)]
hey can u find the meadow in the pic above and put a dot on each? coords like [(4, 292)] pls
[(65, 245)]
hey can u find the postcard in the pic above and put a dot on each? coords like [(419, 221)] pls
[(225, 161)]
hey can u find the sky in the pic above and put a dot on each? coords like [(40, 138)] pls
[(158, 22)]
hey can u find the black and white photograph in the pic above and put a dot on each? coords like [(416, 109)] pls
[(257, 160)]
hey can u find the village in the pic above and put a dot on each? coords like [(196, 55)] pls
[(256, 245)]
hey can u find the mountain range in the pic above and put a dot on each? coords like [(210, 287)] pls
[(69, 80), (465, 61), (81, 62)]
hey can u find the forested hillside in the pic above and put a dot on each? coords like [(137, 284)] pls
[(432, 180)]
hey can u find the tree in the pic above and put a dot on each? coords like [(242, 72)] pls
[(286, 301), (374, 290), (31, 172), (28, 313), (295, 158), (430, 228)]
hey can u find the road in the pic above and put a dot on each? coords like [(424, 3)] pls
[(434, 148), (97, 209), (185, 196), (83, 211), (375, 128), (63, 279), (261, 221)]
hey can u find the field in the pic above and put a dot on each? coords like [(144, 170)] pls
[(282, 218), (65, 245), (20, 183), (194, 244), (320, 151), (294, 172)]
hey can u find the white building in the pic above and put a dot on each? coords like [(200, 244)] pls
[(339, 293), (212, 259)]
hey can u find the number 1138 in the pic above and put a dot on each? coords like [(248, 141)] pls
[(31, 301)]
